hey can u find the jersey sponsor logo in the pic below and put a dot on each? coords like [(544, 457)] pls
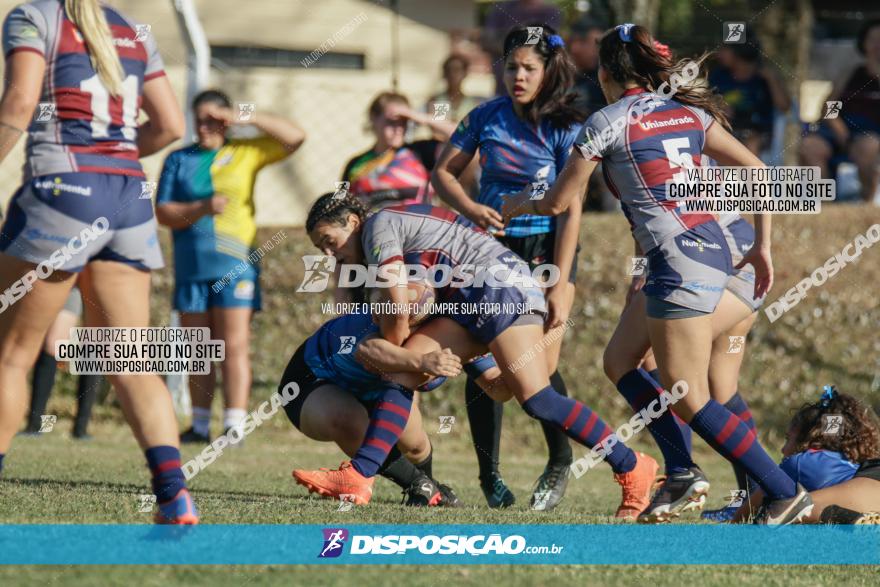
[(35, 234), (125, 42), (699, 245), (334, 541), (652, 124), (57, 186)]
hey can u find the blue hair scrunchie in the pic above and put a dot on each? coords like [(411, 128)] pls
[(623, 30), (555, 41), (829, 392)]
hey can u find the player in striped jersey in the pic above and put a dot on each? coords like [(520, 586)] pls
[(81, 208), (689, 262), (438, 238)]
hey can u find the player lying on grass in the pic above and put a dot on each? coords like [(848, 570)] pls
[(435, 237), (832, 448), (341, 371), (685, 487), (689, 262)]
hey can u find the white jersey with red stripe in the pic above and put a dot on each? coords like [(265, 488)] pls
[(639, 157), (79, 126)]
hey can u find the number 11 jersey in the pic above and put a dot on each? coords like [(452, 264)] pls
[(78, 126)]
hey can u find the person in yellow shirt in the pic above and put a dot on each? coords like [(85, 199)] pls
[(206, 196)]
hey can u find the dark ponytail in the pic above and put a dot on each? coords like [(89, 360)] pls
[(334, 208), (554, 99), (637, 59)]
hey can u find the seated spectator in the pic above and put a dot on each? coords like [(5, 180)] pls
[(854, 132), (752, 92)]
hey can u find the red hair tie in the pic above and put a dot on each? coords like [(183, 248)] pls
[(662, 50)]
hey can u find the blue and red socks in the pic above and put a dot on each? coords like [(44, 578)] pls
[(686, 432), (673, 438), (387, 422), (580, 423), (737, 443), (168, 479), (738, 406)]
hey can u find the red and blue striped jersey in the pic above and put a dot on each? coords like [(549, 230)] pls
[(639, 157), (79, 126)]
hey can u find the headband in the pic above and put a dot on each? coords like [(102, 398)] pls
[(623, 30)]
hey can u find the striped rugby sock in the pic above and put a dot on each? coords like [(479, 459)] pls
[(640, 389), (580, 423), (683, 427), (738, 406), (168, 479), (737, 443), (386, 425)]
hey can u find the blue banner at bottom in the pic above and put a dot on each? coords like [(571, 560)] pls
[(436, 544)]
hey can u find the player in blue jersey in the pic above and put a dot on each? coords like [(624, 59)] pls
[(81, 208), (689, 261), (523, 139), (341, 371), (832, 448), (489, 276)]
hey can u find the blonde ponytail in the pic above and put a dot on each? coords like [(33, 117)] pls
[(88, 16)]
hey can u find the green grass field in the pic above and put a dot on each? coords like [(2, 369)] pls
[(830, 337)]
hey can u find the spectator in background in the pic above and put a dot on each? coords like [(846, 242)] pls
[(584, 50), (505, 16), (455, 70), (753, 93), (583, 46), (394, 171), (206, 196), (854, 132)]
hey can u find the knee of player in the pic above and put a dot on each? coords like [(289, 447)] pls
[(616, 363)]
